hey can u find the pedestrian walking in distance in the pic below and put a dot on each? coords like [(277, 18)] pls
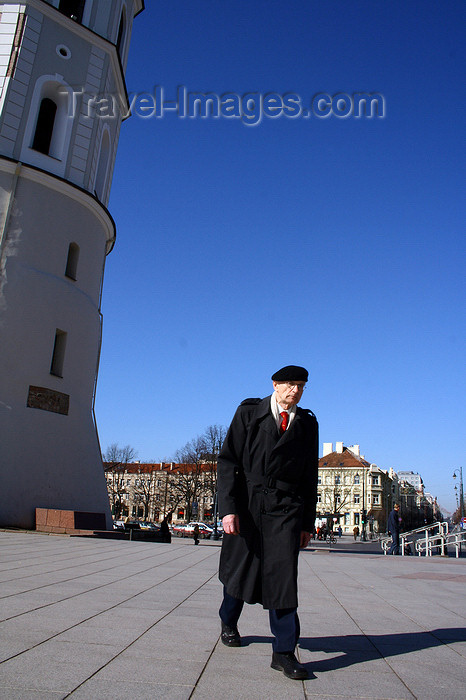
[(267, 492), (196, 534), (394, 528)]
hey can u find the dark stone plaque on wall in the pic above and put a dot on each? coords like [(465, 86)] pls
[(48, 400)]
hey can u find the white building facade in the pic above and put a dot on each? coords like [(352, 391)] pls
[(56, 160), (351, 490), (412, 478)]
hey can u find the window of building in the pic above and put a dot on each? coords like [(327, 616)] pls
[(72, 8), (338, 500), (356, 518), (319, 498), (337, 479), (44, 126), (58, 354), (63, 51), (376, 499), (48, 129), (375, 481), (120, 44), (72, 261), (356, 497), (319, 479), (356, 479)]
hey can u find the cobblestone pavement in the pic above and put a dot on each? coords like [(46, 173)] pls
[(93, 619)]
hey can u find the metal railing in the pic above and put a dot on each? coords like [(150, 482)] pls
[(422, 540), (440, 542)]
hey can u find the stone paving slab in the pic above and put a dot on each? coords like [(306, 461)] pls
[(100, 619)]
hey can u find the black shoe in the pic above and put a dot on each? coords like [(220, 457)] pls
[(230, 636), (289, 664)]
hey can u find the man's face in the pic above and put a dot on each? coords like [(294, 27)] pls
[(288, 393)]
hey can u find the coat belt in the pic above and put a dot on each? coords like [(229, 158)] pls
[(273, 483)]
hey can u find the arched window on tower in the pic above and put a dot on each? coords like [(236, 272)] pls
[(48, 129), (72, 261), (44, 126), (120, 44), (72, 8)]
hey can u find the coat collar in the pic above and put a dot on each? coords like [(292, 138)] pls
[(264, 415)]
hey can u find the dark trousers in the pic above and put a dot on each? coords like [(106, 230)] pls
[(284, 623), (395, 548)]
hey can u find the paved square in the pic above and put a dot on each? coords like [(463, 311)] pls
[(99, 619)]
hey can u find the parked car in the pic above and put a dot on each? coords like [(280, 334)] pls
[(205, 531), (118, 524), (149, 526), (187, 530), (178, 530)]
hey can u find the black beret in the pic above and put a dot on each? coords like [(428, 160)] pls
[(291, 373)]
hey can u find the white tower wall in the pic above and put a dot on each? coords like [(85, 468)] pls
[(55, 233)]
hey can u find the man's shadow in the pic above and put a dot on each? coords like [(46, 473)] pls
[(360, 648)]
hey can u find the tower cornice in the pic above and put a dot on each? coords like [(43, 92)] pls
[(43, 177)]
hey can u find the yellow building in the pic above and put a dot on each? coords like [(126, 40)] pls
[(352, 492)]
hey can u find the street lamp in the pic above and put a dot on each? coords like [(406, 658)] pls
[(460, 472), (215, 535)]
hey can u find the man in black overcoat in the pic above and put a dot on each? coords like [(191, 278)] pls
[(394, 528), (267, 494)]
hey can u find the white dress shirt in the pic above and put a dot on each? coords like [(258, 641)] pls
[(277, 409)]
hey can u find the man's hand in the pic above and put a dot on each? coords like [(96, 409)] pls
[(305, 537), (231, 524)]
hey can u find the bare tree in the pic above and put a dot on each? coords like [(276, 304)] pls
[(117, 459), (198, 481), (145, 492), (213, 440), (187, 484)]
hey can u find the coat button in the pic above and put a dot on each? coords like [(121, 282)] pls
[(265, 491)]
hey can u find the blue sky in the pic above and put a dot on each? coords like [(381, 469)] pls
[(337, 244)]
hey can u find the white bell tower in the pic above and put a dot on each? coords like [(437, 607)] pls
[(62, 100)]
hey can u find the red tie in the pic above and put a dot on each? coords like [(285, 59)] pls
[(284, 422)]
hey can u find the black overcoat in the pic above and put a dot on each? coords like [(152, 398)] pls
[(393, 525), (270, 481)]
